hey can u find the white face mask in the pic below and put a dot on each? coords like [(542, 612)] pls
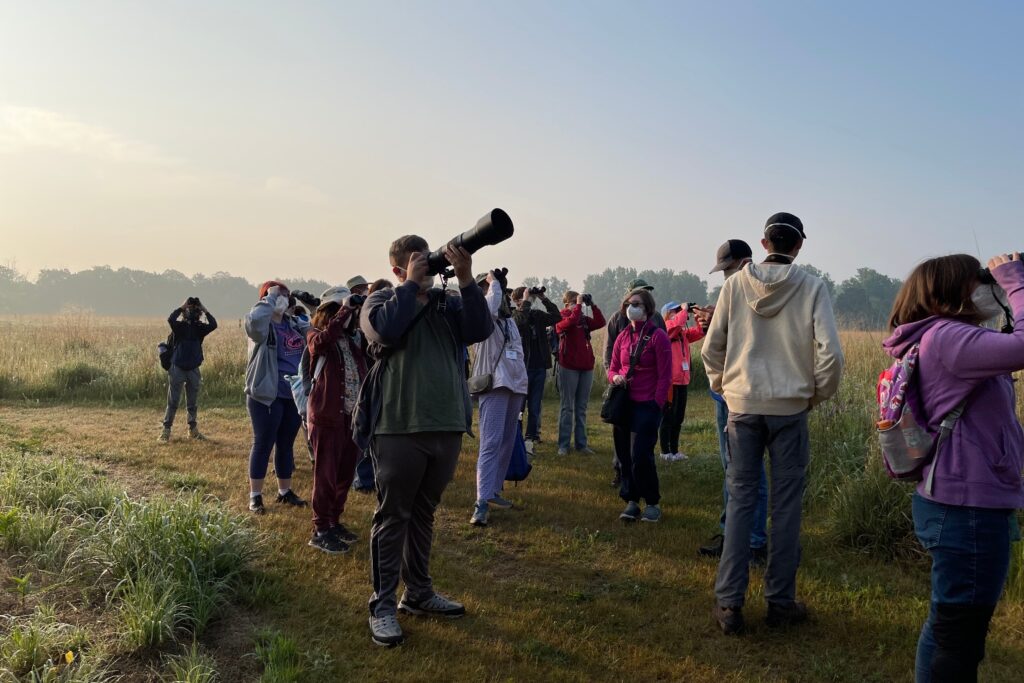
[(986, 299), (635, 313), (281, 304)]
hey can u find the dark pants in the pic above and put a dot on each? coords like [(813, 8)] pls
[(273, 429), (177, 379), (970, 549), (672, 419), (788, 446), (534, 397), (634, 449), (364, 473), (334, 465), (413, 471)]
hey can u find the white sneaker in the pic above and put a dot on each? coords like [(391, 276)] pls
[(386, 630), (529, 447), (667, 457), (679, 457)]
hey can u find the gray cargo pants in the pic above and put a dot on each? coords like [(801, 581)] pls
[(412, 471), (191, 380), (788, 446)]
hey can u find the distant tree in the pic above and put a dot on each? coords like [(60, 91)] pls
[(830, 284)]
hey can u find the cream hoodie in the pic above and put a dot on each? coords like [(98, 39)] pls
[(772, 347)]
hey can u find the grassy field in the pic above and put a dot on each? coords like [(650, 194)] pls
[(556, 589)]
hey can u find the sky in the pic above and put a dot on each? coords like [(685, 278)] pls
[(300, 138)]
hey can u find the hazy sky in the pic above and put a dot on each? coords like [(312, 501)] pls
[(300, 138)]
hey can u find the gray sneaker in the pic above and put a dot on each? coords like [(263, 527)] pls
[(500, 503), (435, 606), (479, 517), (631, 513), (652, 513), (386, 631), (563, 451), (586, 450)]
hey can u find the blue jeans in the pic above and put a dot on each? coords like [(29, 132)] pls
[(274, 428), (534, 396), (574, 386), (970, 549), (759, 531)]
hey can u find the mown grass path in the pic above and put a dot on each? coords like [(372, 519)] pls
[(557, 589)]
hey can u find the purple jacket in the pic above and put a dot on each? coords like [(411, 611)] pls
[(980, 464)]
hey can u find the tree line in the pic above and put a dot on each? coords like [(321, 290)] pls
[(862, 301)]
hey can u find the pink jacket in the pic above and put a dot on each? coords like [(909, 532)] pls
[(681, 337), (652, 377)]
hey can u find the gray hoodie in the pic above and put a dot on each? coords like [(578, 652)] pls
[(772, 347), (261, 376)]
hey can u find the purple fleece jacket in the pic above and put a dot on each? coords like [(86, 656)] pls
[(980, 464)]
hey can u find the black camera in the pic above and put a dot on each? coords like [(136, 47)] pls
[(588, 300), (538, 291), (493, 228)]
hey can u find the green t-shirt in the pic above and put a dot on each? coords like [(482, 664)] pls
[(423, 384)]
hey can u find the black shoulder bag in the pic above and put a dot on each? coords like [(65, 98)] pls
[(615, 409)]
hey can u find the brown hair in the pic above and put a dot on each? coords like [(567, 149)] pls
[(403, 247), (380, 284), (940, 286), (324, 314), (569, 298), (645, 296), (518, 293)]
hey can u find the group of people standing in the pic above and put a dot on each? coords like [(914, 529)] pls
[(386, 378)]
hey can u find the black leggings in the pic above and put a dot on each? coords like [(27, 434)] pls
[(672, 419)]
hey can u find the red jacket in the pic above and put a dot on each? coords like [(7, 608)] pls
[(326, 406), (681, 337), (574, 349)]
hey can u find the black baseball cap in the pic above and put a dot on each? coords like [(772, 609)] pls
[(785, 220), (731, 252)]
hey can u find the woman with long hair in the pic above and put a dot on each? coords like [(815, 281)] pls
[(963, 509)]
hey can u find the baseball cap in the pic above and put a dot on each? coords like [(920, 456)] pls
[(670, 306), (638, 283), (334, 295), (786, 220), (731, 252)]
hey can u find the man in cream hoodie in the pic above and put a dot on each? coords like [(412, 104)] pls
[(773, 352)]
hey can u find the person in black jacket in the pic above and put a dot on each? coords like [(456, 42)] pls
[(533, 314), (189, 331)]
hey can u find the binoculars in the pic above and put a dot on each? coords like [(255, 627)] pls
[(493, 228)]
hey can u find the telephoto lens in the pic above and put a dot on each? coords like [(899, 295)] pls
[(493, 228)]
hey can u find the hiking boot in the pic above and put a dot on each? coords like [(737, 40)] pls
[(328, 543), (652, 513), (479, 517), (165, 435), (435, 606), (386, 631), (195, 434), (586, 450), (342, 532), (631, 513), (289, 498), (713, 548), (759, 556), (563, 451), (256, 504), (729, 619), (786, 614), (500, 503)]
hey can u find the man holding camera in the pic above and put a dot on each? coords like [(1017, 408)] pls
[(413, 409), (773, 352), (533, 322), (189, 332)]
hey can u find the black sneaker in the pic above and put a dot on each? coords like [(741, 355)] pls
[(729, 619), (342, 532), (436, 605), (759, 556), (786, 614), (290, 498), (256, 505), (328, 543), (713, 548)]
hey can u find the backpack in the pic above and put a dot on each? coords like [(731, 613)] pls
[(166, 352), (519, 466), (301, 387), (907, 447)]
